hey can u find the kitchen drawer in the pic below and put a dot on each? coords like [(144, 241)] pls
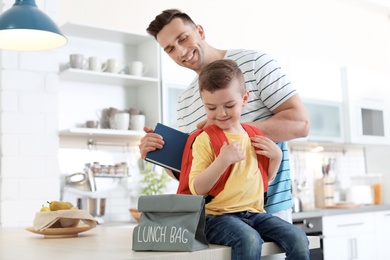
[(348, 224)]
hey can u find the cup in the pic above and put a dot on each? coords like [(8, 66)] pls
[(95, 64), (92, 124), (113, 66), (122, 121), (77, 61), (137, 68), (137, 122)]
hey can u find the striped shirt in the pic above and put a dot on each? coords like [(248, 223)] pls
[(268, 87)]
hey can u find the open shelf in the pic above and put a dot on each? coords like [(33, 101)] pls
[(80, 75)]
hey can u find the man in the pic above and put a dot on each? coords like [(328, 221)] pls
[(273, 106)]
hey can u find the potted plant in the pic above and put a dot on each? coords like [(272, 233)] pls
[(153, 183)]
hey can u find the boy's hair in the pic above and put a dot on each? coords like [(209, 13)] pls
[(165, 18), (219, 74)]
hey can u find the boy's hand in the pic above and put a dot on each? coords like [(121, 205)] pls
[(231, 153), (266, 147)]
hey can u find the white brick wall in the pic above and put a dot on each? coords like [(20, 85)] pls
[(29, 172)]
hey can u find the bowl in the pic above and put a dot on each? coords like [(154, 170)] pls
[(135, 214)]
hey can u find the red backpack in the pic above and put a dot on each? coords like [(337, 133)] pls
[(217, 137)]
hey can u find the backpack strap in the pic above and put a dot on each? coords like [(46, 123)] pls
[(262, 160), (217, 138), (186, 163)]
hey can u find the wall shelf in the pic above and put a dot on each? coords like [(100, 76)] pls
[(106, 78), (103, 34), (90, 132), (111, 138)]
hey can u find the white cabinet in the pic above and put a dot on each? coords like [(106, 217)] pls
[(326, 121), (382, 224), (367, 105), (319, 86), (315, 80), (84, 94), (349, 236)]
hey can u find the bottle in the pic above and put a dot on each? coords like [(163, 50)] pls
[(96, 169)]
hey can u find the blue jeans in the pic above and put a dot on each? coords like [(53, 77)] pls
[(245, 233)]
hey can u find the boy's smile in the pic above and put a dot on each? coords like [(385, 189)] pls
[(223, 106)]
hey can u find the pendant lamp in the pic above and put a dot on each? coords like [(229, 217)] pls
[(24, 27)]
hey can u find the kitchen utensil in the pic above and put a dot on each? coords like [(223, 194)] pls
[(96, 65), (77, 61), (137, 122), (82, 180), (113, 66), (137, 68), (360, 194), (92, 124), (297, 204), (122, 121), (95, 206)]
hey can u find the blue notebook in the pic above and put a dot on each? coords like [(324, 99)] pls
[(170, 155)]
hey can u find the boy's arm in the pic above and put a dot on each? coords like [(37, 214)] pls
[(268, 148), (229, 154)]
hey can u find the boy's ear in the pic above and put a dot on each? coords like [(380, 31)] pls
[(245, 98)]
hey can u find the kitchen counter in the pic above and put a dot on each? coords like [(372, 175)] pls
[(339, 211), (102, 242)]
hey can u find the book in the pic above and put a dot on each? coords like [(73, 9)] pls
[(170, 155)]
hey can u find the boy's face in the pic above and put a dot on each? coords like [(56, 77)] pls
[(223, 107)]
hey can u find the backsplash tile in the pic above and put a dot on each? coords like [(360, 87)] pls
[(306, 166)]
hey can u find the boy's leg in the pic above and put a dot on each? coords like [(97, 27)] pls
[(230, 230), (287, 236)]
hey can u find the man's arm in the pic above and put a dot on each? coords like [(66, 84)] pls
[(290, 121)]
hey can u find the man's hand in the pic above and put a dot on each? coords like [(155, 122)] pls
[(202, 124), (150, 142)]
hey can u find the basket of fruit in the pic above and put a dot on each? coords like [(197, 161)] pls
[(60, 217)]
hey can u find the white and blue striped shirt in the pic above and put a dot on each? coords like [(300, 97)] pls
[(268, 87)]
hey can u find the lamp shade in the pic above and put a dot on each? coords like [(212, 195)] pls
[(24, 27)]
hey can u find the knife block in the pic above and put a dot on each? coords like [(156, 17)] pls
[(324, 192)]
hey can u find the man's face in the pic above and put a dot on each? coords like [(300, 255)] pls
[(183, 43)]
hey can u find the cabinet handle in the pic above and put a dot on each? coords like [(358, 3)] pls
[(352, 245), (355, 255), (351, 224)]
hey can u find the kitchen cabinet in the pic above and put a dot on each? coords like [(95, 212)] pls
[(84, 94), (315, 80), (349, 236), (319, 86), (326, 121), (367, 106), (382, 224)]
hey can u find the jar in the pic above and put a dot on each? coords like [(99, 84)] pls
[(96, 169)]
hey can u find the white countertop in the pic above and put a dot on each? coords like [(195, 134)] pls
[(330, 212), (102, 242)]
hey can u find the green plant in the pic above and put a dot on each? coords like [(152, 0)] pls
[(154, 182)]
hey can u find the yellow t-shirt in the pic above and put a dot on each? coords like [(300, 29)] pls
[(244, 188)]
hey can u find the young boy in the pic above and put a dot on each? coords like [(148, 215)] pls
[(236, 216)]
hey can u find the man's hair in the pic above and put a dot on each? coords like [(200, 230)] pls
[(165, 18), (219, 74)]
